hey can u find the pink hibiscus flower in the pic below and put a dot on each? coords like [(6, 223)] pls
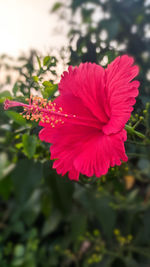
[(101, 101), (85, 124)]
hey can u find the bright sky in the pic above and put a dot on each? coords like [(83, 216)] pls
[(26, 24)]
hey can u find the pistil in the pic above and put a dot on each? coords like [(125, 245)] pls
[(40, 109)]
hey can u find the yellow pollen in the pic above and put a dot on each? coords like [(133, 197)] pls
[(52, 118), (44, 110)]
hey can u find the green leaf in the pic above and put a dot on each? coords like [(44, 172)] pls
[(18, 227), (16, 117), (78, 225), (62, 189), (51, 223), (3, 163), (6, 187), (16, 262), (49, 89), (19, 250), (32, 207), (130, 262), (100, 208), (46, 203), (5, 166), (5, 94), (29, 145), (26, 177), (56, 6), (47, 84), (39, 62), (106, 215), (35, 78), (47, 61)]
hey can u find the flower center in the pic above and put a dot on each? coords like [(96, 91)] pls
[(40, 109)]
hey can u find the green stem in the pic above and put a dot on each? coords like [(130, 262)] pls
[(137, 123), (137, 155), (131, 130)]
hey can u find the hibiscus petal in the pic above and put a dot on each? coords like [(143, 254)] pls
[(100, 153), (121, 92), (86, 82), (83, 149), (59, 150), (67, 142)]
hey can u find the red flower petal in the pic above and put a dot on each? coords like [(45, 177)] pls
[(121, 92), (85, 150), (86, 82), (100, 153)]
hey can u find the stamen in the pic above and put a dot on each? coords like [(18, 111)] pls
[(44, 110)]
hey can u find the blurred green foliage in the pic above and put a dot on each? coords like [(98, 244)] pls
[(45, 219), (102, 29)]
